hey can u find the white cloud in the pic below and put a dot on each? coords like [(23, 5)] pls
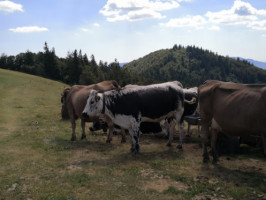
[(91, 29), (258, 25), (96, 25), (188, 21), (215, 28), (241, 13), (133, 10), (10, 7), (28, 29), (85, 30)]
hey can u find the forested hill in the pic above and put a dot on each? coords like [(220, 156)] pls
[(192, 66)]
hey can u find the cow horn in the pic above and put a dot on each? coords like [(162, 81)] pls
[(192, 101)]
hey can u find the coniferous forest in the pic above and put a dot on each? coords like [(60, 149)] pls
[(190, 65)]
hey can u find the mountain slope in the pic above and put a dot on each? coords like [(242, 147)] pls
[(192, 66), (258, 63)]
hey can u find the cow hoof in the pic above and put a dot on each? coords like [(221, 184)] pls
[(206, 160), (169, 144), (215, 160), (83, 137), (108, 141), (92, 129), (73, 138), (137, 149), (179, 146)]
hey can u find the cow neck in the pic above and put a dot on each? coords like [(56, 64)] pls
[(103, 110)]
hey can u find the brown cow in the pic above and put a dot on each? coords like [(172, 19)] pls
[(237, 109), (74, 100)]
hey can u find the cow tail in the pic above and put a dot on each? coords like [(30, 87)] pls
[(64, 110)]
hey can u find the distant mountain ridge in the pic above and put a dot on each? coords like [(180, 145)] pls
[(193, 66), (256, 63), (122, 64)]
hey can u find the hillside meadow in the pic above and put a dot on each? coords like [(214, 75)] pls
[(38, 160)]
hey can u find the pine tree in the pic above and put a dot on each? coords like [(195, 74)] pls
[(50, 65)]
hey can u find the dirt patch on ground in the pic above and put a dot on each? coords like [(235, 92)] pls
[(160, 183), (74, 167)]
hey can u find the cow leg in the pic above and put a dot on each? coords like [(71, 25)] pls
[(83, 129), (73, 123), (123, 136), (198, 130), (181, 130), (165, 128), (188, 131), (214, 136), (134, 141), (204, 133), (131, 133), (180, 122), (264, 142), (171, 128), (110, 135)]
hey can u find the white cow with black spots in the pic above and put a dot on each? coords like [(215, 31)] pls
[(130, 106)]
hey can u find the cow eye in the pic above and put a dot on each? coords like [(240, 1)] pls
[(92, 102)]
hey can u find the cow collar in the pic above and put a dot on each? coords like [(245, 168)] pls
[(103, 110)]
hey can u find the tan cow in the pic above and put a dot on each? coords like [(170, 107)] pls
[(237, 109), (74, 100)]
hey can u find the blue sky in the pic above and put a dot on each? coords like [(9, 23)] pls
[(129, 29)]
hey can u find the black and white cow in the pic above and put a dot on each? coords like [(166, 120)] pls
[(130, 106)]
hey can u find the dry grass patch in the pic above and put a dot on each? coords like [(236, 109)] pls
[(162, 184)]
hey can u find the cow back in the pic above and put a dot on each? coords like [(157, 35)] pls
[(239, 109), (152, 101)]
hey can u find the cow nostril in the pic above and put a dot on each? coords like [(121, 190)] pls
[(85, 115)]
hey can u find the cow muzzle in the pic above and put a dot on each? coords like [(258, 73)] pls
[(85, 115)]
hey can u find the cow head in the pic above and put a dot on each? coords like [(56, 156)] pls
[(64, 111), (94, 106)]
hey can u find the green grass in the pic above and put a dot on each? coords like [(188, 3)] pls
[(38, 160)]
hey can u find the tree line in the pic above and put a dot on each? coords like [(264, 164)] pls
[(76, 68), (190, 65)]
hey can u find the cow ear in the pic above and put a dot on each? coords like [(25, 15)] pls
[(97, 98)]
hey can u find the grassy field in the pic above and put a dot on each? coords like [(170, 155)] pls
[(38, 160)]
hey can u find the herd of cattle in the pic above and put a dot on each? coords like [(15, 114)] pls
[(236, 109)]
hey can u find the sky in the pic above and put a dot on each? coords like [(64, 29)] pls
[(129, 29)]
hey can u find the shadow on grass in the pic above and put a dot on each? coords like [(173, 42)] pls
[(254, 178), (126, 159), (100, 146)]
